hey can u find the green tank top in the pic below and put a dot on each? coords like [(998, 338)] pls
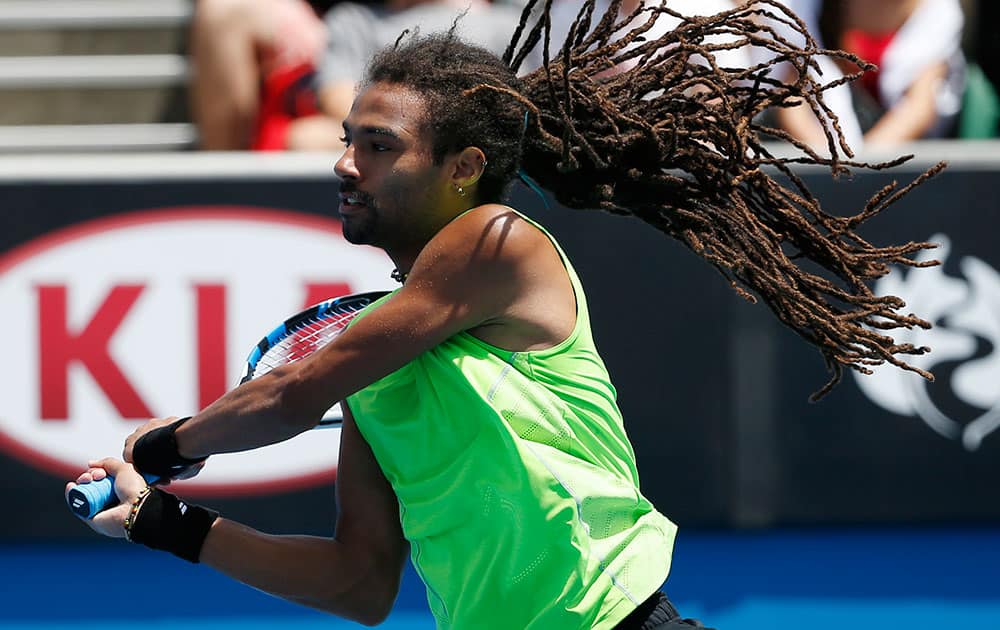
[(517, 485)]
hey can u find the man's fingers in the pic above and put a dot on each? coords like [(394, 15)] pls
[(112, 465), (110, 522)]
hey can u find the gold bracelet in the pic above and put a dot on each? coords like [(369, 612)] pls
[(136, 506)]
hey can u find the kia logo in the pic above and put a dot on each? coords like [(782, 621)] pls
[(152, 313)]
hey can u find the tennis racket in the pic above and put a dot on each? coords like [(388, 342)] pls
[(294, 339)]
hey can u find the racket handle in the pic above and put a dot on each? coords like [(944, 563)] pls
[(86, 500)]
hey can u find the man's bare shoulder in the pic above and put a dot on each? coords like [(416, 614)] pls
[(485, 259), (491, 234), (509, 273)]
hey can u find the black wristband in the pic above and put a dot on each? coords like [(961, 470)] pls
[(155, 453), (165, 522)]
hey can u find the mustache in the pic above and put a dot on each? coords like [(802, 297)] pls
[(350, 188)]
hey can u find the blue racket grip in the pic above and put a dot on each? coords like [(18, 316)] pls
[(86, 500)]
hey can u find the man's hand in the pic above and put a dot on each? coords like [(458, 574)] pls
[(156, 423), (128, 485), (153, 423)]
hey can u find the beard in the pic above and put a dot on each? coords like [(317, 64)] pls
[(360, 228)]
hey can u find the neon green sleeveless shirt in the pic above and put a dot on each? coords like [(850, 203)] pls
[(517, 485)]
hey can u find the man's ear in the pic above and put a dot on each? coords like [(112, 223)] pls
[(468, 167)]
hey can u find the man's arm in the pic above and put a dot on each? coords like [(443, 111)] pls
[(355, 574), (914, 114), (801, 123), (469, 274)]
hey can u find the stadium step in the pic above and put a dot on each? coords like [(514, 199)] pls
[(89, 138), (94, 74), (82, 27), (85, 71)]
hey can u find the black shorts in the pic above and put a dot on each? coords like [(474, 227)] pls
[(657, 613)]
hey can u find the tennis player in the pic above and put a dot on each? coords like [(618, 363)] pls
[(481, 433)]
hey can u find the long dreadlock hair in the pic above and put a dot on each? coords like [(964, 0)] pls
[(677, 141)]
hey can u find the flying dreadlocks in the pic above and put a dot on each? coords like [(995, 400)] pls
[(675, 141)]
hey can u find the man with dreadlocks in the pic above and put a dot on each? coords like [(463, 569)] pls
[(481, 433)]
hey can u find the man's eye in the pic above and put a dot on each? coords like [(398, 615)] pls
[(379, 147), (346, 141)]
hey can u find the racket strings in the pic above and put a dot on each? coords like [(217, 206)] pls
[(309, 336)]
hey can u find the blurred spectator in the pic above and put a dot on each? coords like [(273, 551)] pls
[(356, 32), (916, 91), (981, 104), (248, 57), (564, 12), (985, 15), (273, 75)]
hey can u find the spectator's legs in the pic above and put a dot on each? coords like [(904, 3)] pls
[(226, 83)]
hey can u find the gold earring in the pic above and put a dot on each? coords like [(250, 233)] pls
[(460, 190)]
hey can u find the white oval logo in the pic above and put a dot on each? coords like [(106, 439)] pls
[(965, 343), (153, 313)]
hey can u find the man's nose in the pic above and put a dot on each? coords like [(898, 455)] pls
[(345, 167)]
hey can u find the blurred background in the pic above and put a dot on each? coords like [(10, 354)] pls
[(167, 194)]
